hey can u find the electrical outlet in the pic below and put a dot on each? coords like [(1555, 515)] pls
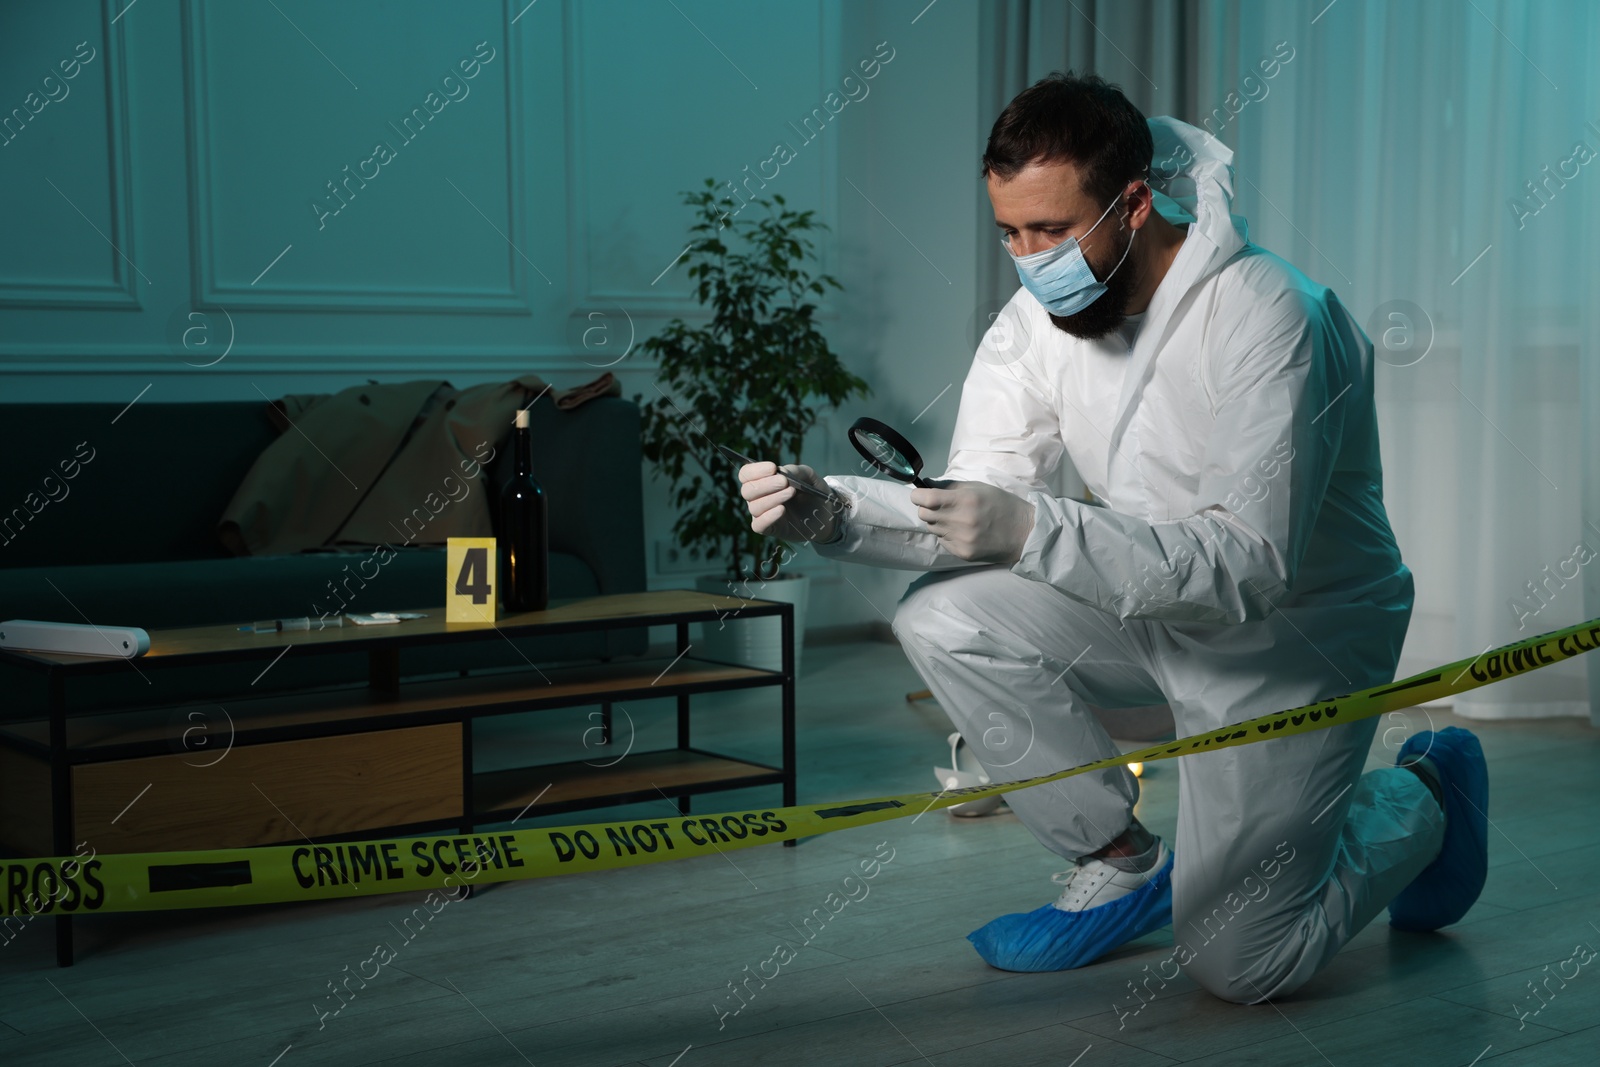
[(672, 559)]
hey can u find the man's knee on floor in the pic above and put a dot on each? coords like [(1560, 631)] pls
[(1235, 981), (1236, 956), (1229, 973)]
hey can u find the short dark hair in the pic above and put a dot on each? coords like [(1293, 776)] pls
[(1067, 118)]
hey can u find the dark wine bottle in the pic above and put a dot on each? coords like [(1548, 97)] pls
[(524, 530)]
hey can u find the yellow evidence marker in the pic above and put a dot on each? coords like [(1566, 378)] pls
[(471, 580)]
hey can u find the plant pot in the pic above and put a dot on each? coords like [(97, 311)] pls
[(754, 642)]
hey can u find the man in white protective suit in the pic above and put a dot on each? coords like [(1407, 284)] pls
[(1236, 560)]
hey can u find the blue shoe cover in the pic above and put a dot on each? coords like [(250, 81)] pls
[(1450, 885), (1049, 939)]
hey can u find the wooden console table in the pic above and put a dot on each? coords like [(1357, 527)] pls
[(391, 758)]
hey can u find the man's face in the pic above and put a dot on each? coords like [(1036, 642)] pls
[(1044, 205)]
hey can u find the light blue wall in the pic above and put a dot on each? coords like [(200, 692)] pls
[(174, 204)]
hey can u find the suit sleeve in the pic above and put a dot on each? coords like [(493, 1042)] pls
[(1007, 434), (1276, 433)]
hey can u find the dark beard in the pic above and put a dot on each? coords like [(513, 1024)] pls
[(1103, 316)]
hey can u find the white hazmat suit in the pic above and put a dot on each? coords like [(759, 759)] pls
[(1238, 560)]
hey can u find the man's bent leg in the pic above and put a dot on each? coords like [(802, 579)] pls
[(1288, 850), (1012, 662)]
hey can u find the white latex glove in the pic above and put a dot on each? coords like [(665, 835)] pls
[(780, 510), (975, 521)]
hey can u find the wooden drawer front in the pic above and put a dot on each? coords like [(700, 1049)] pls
[(271, 793)]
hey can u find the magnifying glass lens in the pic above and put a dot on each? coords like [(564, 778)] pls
[(885, 453), (886, 450)]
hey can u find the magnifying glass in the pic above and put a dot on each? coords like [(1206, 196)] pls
[(886, 450)]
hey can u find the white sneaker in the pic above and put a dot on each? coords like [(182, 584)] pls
[(1094, 881), (964, 772)]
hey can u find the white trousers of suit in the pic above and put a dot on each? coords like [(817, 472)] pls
[(1284, 848)]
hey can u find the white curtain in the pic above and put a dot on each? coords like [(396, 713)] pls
[(1438, 165)]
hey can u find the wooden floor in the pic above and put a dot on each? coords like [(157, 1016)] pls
[(634, 966)]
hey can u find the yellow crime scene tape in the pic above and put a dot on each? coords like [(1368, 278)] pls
[(215, 878)]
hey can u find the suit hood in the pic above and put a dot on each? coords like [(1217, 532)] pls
[(1192, 175)]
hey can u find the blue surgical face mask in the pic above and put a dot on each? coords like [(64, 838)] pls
[(1059, 277)]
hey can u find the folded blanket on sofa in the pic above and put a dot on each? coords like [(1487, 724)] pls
[(377, 464)]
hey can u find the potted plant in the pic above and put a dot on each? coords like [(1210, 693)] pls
[(754, 377)]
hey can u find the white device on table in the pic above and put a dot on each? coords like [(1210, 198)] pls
[(30, 635)]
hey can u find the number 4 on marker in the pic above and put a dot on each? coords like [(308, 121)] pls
[(470, 579), (473, 580)]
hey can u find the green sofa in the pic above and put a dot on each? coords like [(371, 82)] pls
[(130, 540)]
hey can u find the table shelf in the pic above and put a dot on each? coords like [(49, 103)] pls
[(97, 736), (662, 775), (373, 761)]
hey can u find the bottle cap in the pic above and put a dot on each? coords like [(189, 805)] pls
[(522, 418)]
